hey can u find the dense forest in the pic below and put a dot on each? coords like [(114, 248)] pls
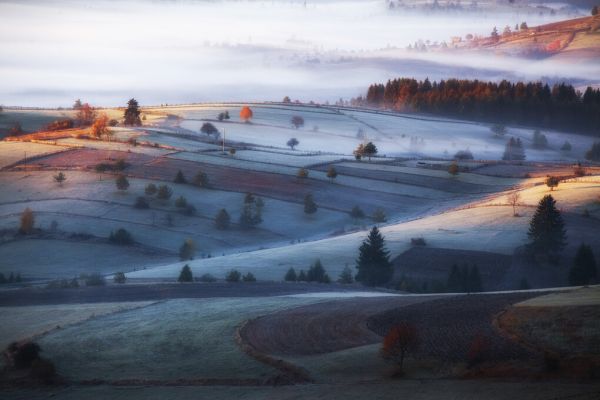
[(533, 103)]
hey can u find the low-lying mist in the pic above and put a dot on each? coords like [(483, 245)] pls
[(190, 51)]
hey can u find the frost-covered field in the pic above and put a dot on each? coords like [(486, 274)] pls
[(117, 146), (489, 227), (337, 131), (30, 321), (13, 152), (175, 339)]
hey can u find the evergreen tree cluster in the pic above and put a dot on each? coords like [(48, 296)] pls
[(464, 280), (251, 211), (12, 278), (316, 273), (527, 103), (514, 150)]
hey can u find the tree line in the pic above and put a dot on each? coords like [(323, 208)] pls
[(529, 103)]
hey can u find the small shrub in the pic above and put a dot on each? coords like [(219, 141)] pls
[(27, 222), (21, 355), (150, 189), (302, 173), (189, 210), (60, 178), (120, 165), (478, 350), (249, 277), (181, 202), (233, 276), (357, 213), (164, 192), (95, 280), (222, 219), (200, 179), (232, 151), (463, 155), (43, 370), (207, 278), (290, 275), (418, 241), (179, 177), (186, 274), (119, 277), (121, 182), (187, 250), (379, 216), (121, 237), (141, 203)]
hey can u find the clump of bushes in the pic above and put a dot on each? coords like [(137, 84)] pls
[(463, 155), (249, 277), (119, 277), (418, 241), (233, 276), (141, 203), (208, 278), (187, 250), (316, 273), (94, 280), (63, 284), (12, 278), (26, 355), (150, 189), (121, 237)]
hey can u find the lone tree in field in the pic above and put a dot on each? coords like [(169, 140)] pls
[(498, 130), (200, 179), (150, 189), (539, 140), (514, 150), (85, 115), (331, 173), (187, 250), (453, 168), (513, 199), (373, 263), (246, 114), (185, 275), (100, 127), (132, 114), (251, 211), (222, 219), (223, 116), (302, 174), (399, 341), (293, 142), (552, 182), (164, 192), (583, 271), (593, 154), (209, 129), (379, 216), (27, 221), (297, 121), (179, 177), (547, 232), (310, 207), (60, 178), (122, 182), (357, 213), (369, 150)]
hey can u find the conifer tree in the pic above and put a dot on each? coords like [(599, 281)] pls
[(132, 114), (186, 274), (583, 271), (290, 275), (346, 276), (310, 207), (547, 229), (373, 263)]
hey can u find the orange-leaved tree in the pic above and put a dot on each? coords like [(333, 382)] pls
[(246, 114), (100, 126), (400, 340)]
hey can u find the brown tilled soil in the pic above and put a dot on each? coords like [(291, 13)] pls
[(448, 326), (321, 328)]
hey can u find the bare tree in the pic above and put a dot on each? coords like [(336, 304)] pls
[(514, 200)]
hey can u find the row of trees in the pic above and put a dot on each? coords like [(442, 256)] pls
[(529, 103)]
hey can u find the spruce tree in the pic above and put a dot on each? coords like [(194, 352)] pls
[(583, 271), (222, 220), (373, 263), (179, 177), (132, 114), (454, 283), (547, 229), (186, 274), (290, 275), (346, 276), (302, 276)]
